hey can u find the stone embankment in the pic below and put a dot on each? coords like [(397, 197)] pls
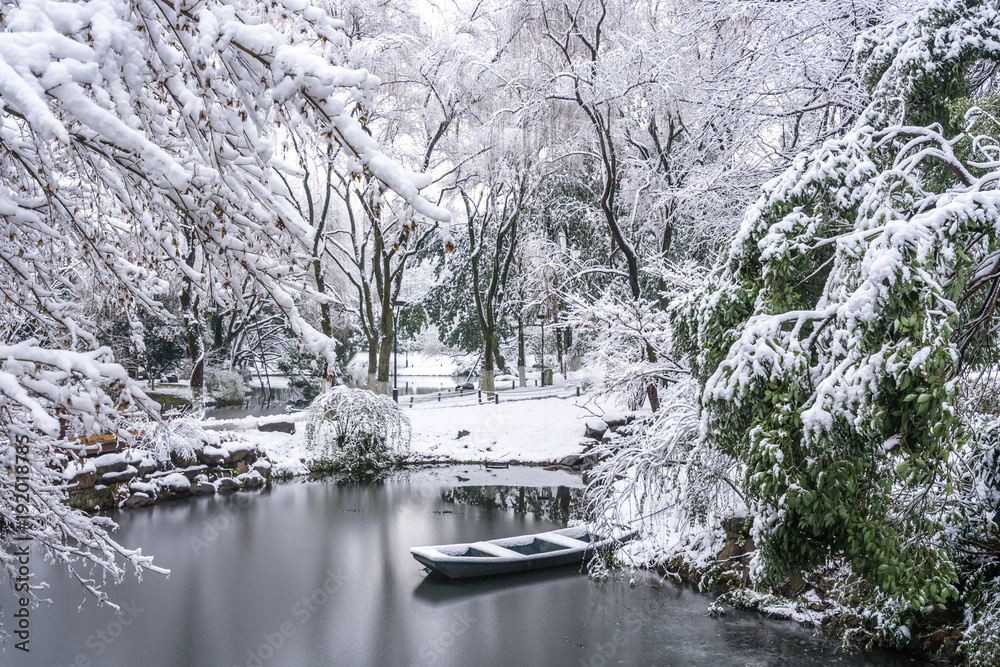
[(135, 478), (596, 430)]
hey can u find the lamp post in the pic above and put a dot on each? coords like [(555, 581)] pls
[(541, 320), (396, 305)]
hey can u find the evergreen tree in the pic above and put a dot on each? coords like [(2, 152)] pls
[(860, 286)]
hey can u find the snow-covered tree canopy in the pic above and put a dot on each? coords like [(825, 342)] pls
[(859, 286), (135, 132), (135, 147)]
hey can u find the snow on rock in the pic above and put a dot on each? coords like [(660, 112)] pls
[(173, 483), (226, 484), (595, 428), (113, 462), (251, 480), (211, 455), (285, 451), (236, 451), (117, 477), (76, 468), (615, 419), (143, 487)]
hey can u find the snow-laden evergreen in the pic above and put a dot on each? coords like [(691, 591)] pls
[(858, 288)]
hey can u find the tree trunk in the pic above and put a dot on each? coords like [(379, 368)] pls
[(196, 351), (217, 339), (372, 365), (567, 346), (501, 363), (486, 382), (651, 392), (329, 374), (383, 385)]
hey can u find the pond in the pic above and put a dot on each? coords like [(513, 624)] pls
[(316, 573)]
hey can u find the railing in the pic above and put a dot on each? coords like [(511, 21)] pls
[(478, 396)]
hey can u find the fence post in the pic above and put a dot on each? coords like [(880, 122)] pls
[(496, 398), (578, 391)]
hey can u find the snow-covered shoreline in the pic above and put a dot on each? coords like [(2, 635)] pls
[(536, 432), (526, 434)]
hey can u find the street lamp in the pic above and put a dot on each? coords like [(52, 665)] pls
[(396, 305), (541, 320)]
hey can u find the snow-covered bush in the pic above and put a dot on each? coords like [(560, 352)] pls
[(974, 539), (859, 286), (356, 432), (980, 643), (179, 437), (980, 392), (672, 485)]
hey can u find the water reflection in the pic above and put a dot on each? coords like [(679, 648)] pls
[(314, 573), (558, 504), (262, 402)]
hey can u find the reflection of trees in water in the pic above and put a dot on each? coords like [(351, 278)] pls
[(559, 504)]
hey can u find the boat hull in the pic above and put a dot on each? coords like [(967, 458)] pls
[(569, 546)]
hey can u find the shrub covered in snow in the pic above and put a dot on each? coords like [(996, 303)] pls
[(356, 432), (180, 437), (668, 483), (861, 284), (974, 540)]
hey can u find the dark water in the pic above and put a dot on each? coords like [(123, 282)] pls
[(280, 400), (312, 573), (418, 385), (260, 403)]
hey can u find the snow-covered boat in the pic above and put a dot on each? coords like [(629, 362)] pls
[(569, 546)]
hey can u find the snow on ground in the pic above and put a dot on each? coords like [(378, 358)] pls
[(529, 431), (542, 430), (286, 452)]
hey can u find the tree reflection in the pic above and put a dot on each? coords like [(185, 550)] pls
[(558, 504)]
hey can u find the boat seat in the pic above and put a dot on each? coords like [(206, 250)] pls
[(563, 541), (495, 550)]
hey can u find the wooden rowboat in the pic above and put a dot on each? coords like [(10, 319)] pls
[(569, 546)]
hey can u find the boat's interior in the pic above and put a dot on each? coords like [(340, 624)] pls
[(536, 546), (472, 552)]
